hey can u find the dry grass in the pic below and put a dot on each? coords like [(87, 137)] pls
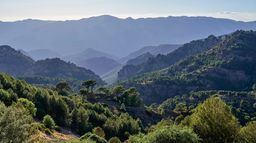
[(42, 137)]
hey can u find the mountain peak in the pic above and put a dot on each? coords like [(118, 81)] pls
[(6, 47)]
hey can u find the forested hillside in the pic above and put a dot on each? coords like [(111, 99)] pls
[(56, 108), (228, 65), (163, 61), (34, 114), (43, 71), (14, 62), (154, 50)]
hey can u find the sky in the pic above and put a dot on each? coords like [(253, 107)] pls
[(12, 10)]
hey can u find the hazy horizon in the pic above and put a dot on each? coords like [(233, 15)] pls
[(241, 10), (124, 17)]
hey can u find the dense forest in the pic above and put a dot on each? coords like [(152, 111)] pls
[(35, 113), (205, 94), (229, 65)]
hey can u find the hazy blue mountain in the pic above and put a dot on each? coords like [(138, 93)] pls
[(112, 35), (24, 52), (99, 65), (40, 54), (140, 59), (154, 50), (15, 63), (57, 68), (86, 54), (111, 76)]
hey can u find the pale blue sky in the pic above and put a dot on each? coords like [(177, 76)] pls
[(75, 9)]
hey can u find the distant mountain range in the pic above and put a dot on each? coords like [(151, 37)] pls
[(97, 61), (222, 63), (111, 34), (140, 59), (153, 50), (100, 65), (136, 58), (87, 54), (15, 63)]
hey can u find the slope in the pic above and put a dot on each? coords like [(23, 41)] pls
[(163, 61), (230, 65)]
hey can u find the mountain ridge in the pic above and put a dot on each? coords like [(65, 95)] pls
[(163, 61), (13, 62), (229, 65), (118, 36)]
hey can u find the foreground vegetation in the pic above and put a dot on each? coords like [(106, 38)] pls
[(26, 111)]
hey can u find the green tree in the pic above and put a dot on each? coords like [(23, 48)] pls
[(49, 122), (6, 97), (117, 90), (79, 122), (28, 105), (114, 140), (104, 90), (130, 97), (89, 85), (63, 88), (84, 92), (41, 101), (247, 134), (214, 122), (167, 134), (58, 110), (180, 108), (15, 124), (99, 131), (121, 126)]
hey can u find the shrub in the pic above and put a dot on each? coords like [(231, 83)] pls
[(214, 122), (48, 122), (28, 105), (99, 131), (121, 126), (114, 140), (15, 124), (167, 134), (6, 97), (248, 133)]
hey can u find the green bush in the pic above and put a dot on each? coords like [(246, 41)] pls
[(247, 134), (214, 122), (167, 134), (49, 122), (28, 105), (15, 124), (6, 97), (99, 132), (121, 126), (114, 140)]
